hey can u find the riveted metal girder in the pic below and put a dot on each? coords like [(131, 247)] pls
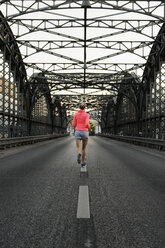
[(84, 51)]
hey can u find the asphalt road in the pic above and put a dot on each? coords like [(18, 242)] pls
[(39, 192)]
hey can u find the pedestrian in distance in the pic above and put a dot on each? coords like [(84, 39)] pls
[(81, 124)]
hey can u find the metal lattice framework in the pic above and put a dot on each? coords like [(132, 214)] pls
[(155, 106), (153, 114), (12, 82), (83, 50), (45, 114), (140, 110)]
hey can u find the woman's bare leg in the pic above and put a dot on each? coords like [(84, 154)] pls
[(84, 144), (78, 145)]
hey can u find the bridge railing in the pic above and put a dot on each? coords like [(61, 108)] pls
[(152, 143), (20, 141)]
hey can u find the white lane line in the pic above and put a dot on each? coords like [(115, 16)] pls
[(84, 169), (83, 210)]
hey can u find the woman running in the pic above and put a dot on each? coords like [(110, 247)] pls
[(81, 121)]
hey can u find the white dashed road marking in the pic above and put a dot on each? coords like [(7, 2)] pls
[(83, 210)]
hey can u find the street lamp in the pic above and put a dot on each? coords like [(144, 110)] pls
[(85, 5)]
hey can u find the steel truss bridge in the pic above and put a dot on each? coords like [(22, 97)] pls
[(55, 54)]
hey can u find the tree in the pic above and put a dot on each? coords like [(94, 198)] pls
[(92, 128)]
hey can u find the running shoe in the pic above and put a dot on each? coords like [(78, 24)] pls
[(79, 158), (84, 164)]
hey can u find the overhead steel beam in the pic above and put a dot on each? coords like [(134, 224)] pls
[(21, 8)]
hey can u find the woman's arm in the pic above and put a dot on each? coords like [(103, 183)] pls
[(74, 122), (87, 121)]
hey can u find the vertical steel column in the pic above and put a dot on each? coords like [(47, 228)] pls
[(9, 102), (85, 37), (155, 109), (3, 93), (162, 120), (161, 100), (146, 115), (151, 114), (158, 117), (14, 103), (18, 108), (85, 5)]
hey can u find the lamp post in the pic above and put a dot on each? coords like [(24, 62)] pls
[(85, 5)]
